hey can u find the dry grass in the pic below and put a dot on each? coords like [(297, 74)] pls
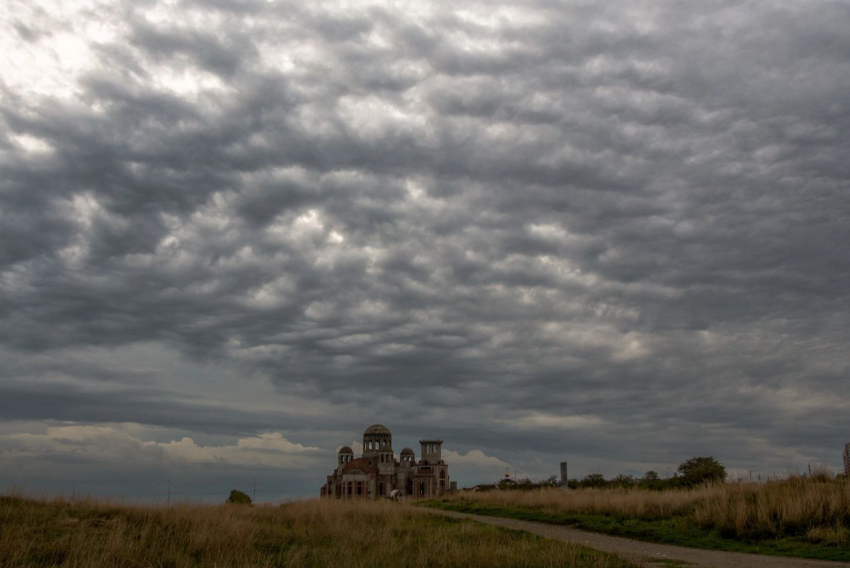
[(309, 533), (817, 506), (780, 509)]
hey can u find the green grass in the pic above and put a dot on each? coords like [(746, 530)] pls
[(676, 529)]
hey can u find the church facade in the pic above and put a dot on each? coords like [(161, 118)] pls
[(377, 472)]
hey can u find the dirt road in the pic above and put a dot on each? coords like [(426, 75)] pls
[(646, 553)]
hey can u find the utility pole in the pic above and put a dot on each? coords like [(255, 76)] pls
[(255, 490), (168, 499)]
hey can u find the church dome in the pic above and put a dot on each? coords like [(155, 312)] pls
[(345, 450), (376, 429), (407, 452)]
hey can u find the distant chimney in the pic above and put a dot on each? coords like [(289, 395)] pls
[(563, 474)]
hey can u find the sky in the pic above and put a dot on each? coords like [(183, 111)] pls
[(235, 233)]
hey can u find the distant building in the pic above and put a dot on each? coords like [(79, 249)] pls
[(847, 459), (377, 473)]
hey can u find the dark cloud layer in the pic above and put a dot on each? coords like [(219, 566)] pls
[(615, 233)]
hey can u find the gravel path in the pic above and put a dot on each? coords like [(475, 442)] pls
[(647, 553)]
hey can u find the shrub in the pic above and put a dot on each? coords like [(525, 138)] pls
[(701, 470), (593, 480), (238, 498)]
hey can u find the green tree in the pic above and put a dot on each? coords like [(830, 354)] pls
[(623, 480), (238, 498), (551, 481), (651, 476), (702, 470), (594, 480)]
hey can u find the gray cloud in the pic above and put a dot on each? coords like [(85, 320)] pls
[(615, 233)]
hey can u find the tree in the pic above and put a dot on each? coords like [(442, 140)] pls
[(551, 481), (651, 476), (702, 470), (623, 480), (594, 480), (238, 498)]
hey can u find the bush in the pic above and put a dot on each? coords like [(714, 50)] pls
[(593, 480), (238, 498), (701, 470)]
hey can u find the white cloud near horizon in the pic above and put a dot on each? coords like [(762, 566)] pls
[(115, 446)]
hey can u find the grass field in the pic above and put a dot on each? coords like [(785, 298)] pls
[(314, 533), (797, 517)]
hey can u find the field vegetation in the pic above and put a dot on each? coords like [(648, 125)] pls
[(798, 517), (314, 533)]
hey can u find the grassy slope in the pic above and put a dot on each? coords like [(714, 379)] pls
[(311, 533), (674, 529)]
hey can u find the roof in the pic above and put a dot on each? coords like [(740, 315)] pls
[(360, 463), (407, 452), (377, 429), (345, 450)]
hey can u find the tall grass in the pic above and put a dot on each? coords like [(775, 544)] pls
[(818, 506), (313, 533), (820, 509)]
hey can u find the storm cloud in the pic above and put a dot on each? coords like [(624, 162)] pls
[(614, 234)]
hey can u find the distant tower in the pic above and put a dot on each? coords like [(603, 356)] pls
[(431, 451), (378, 443), (847, 459), (563, 474), (345, 455)]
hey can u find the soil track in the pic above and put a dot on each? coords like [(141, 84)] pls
[(649, 554)]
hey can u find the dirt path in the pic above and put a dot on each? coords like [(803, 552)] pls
[(647, 553)]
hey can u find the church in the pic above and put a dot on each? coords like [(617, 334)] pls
[(377, 472)]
